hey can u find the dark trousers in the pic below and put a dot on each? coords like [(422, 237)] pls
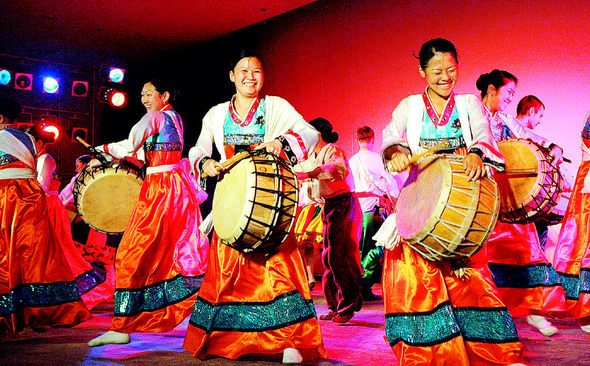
[(342, 219)]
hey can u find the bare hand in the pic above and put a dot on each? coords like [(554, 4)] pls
[(398, 162), (274, 147), (211, 168), (94, 163), (557, 154), (473, 166)]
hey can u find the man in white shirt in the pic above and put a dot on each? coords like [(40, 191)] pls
[(376, 188)]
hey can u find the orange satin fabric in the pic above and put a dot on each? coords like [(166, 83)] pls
[(412, 284), (158, 246), (234, 277), (30, 254), (516, 244), (572, 251)]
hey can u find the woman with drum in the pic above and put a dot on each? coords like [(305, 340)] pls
[(160, 262), (327, 169), (255, 303), (37, 287), (441, 310), (572, 254), (526, 281)]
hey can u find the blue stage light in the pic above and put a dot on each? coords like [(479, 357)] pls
[(50, 85), (5, 77), (116, 75)]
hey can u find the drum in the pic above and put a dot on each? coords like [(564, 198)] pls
[(555, 216), (105, 196), (254, 203), (441, 214), (529, 186)]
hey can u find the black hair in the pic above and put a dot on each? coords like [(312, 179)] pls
[(430, 48), (10, 109), (84, 159), (162, 86), (242, 53), (325, 128), (497, 78)]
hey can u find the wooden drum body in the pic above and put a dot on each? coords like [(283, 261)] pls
[(442, 215), (105, 196), (254, 203), (529, 186)]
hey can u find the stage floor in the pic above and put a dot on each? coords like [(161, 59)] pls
[(360, 342)]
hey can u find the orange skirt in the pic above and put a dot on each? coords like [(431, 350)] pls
[(572, 253), (37, 287), (251, 304), (88, 277), (527, 282), (162, 256), (434, 318)]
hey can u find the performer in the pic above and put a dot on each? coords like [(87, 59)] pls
[(376, 190), (572, 259), (526, 281), (89, 278), (162, 256), (529, 112), (37, 287), (309, 228), (253, 303), (328, 171), (441, 312)]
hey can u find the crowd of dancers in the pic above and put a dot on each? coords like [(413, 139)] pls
[(167, 266)]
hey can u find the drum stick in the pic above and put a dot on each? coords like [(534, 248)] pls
[(231, 161), (97, 154), (414, 158)]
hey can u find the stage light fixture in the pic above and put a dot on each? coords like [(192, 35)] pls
[(81, 132), (50, 85), (116, 75), (117, 98), (52, 125), (5, 77), (79, 88), (23, 81)]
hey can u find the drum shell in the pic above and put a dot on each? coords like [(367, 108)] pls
[(441, 214), (105, 196), (528, 196), (254, 204)]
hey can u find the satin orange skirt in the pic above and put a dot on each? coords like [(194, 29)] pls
[(37, 287), (162, 256), (435, 318), (572, 252), (526, 281), (252, 304), (88, 277)]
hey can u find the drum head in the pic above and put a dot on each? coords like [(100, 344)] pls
[(107, 197), (421, 194), (232, 198), (517, 189)]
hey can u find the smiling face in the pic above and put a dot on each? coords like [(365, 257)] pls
[(152, 99), (248, 76), (500, 98), (441, 74)]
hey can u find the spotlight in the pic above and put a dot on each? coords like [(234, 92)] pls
[(116, 75), (5, 77), (23, 81), (52, 125), (79, 132), (79, 88), (50, 85), (117, 98)]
